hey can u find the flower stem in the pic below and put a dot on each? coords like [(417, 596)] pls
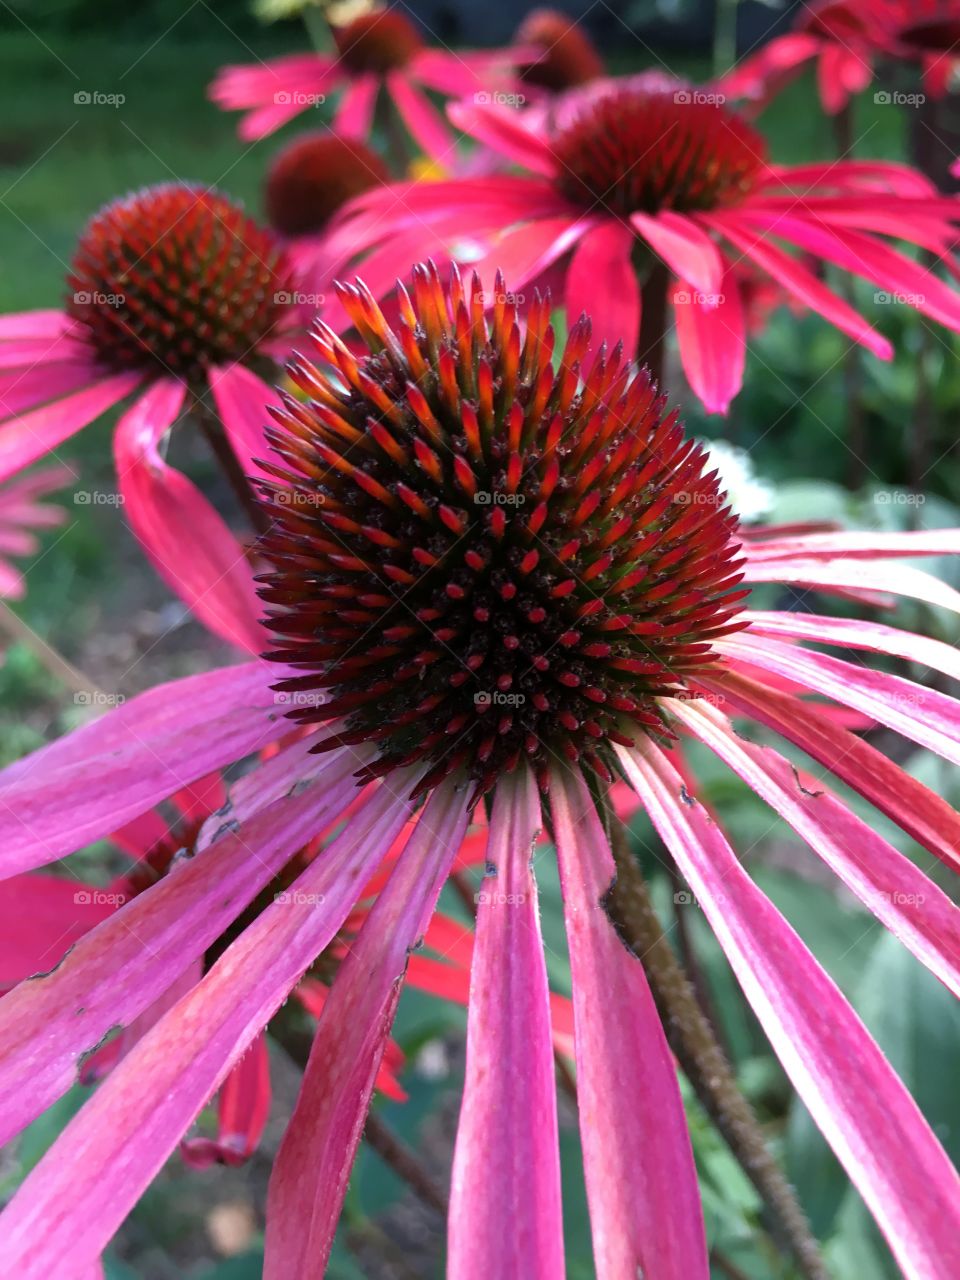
[(651, 344), (693, 1042), (229, 464)]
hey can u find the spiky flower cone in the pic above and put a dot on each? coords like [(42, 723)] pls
[(480, 556), (313, 178)]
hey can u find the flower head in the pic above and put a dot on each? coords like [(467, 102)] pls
[(176, 279), (314, 176), (378, 42), (565, 56), (564, 560)]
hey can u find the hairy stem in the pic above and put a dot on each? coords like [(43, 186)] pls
[(229, 464), (651, 344), (692, 1040)]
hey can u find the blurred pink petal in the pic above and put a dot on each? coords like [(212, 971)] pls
[(602, 283)]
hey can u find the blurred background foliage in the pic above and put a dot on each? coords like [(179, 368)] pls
[(804, 414)]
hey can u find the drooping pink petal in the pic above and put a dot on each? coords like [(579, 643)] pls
[(853, 543), (183, 536), (28, 437), (799, 282), (712, 341), (238, 87), (41, 917), (849, 176), (117, 970), (502, 129), (855, 575), (853, 633), (242, 401), (907, 802), (523, 253), (98, 1168), (506, 1165), (890, 885), (758, 76), (684, 246), (242, 1110), (841, 73), (354, 115), (35, 324), (871, 1122), (925, 716), (311, 1171), (642, 1188), (602, 283), (88, 784), (427, 127)]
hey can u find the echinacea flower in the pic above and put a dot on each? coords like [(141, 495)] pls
[(847, 38), (493, 566), (648, 193), (22, 513), (380, 50), (176, 298), (565, 56)]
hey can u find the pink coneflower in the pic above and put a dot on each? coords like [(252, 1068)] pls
[(565, 56), (650, 193), (176, 297), (378, 51), (467, 517), (847, 38), (22, 513)]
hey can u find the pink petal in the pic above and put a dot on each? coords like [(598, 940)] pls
[(863, 1110), (854, 177), (798, 281), (427, 127), (712, 342), (868, 545), (900, 579), (243, 1108), (75, 1198), (180, 532), (49, 1025), (41, 917), (907, 802), (755, 76), (523, 253), (502, 129), (89, 783), (902, 898), (841, 73), (256, 84), (354, 116), (243, 402), (642, 1188), (35, 324), (28, 355), (686, 249), (855, 634), (506, 1165), (927, 717), (321, 1140), (31, 435), (601, 281)]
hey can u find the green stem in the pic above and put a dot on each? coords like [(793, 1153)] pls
[(229, 464), (692, 1040)]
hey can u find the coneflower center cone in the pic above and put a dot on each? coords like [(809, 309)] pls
[(313, 177), (640, 150), (480, 554), (377, 42), (178, 278)]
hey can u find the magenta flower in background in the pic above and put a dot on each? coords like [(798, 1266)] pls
[(847, 39), (649, 191), (176, 298), (22, 513), (382, 50), (494, 570)]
